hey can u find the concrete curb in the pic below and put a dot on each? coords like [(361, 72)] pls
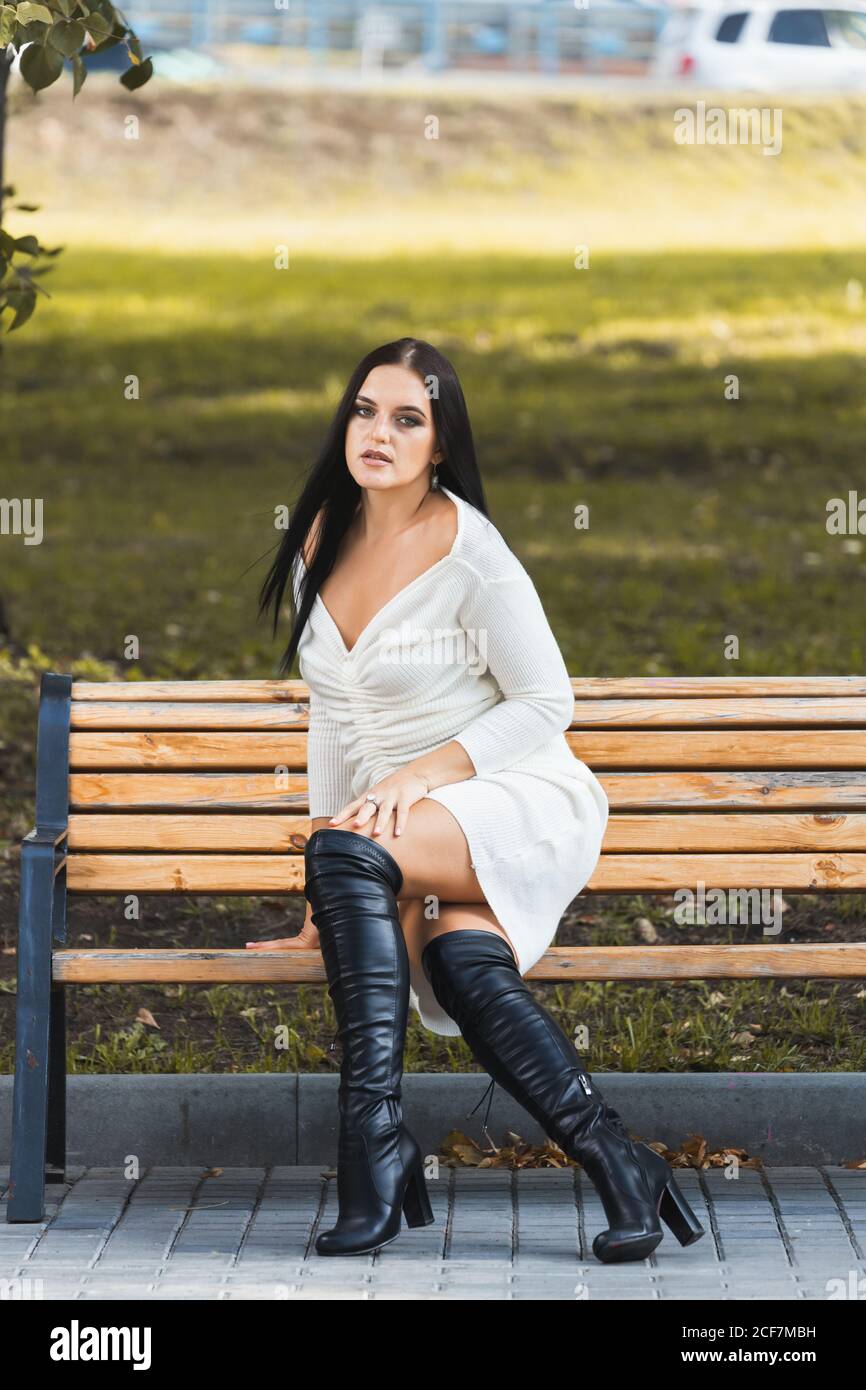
[(242, 1120)]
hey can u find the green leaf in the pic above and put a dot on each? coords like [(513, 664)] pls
[(28, 245), (137, 75), (66, 7), (104, 14), (40, 66), (7, 244), (28, 207), (107, 10), (8, 21), (28, 13), (27, 278), (134, 46), (79, 73), (97, 25), (67, 36), (24, 302)]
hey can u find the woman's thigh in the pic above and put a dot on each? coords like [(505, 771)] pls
[(432, 852), (440, 891), (418, 929)]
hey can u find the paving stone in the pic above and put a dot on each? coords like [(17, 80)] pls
[(784, 1234)]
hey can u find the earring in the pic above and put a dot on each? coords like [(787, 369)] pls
[(435, 480)]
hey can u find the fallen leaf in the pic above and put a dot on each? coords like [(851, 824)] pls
[(645, 931)]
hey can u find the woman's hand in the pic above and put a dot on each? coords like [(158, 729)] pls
[(307, 939), (395, 795)]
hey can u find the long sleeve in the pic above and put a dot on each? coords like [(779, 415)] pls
[(329, 781), (522, 655)]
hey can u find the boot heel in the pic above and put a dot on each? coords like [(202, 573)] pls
[(416, 1203), (676, 1213)]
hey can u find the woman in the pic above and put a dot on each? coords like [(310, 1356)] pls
[(451, 823)]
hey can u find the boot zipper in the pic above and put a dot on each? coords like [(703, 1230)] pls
[(585, 1084), (333, 1044)]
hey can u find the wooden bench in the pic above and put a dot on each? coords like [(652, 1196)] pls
[(200, 787)]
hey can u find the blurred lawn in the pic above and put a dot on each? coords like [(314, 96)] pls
[(603, 386)]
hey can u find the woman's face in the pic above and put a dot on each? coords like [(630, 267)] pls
[(391, 417)]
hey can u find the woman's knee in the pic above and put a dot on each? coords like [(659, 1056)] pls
[(455, 917)]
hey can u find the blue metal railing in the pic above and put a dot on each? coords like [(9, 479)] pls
[(546, 36)]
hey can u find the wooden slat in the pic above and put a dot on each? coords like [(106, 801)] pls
[(180, 714), (259, 691), (586, 687), (719, 790), (211, 751), (752, 749), (269, 873), (218, 791), (841, 960), (702, 687), (704, 712), (746, 749), (667, 872), (801, 748), (276, 834), (661, 834), (720, 832), (699, 712), (185, 873), (635, 791)]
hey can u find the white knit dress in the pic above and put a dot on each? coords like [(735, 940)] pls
[(464, 652)]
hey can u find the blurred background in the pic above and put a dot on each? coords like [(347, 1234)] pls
[(672, 334), (741, 46)]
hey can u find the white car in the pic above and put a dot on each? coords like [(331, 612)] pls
[(765, 47)]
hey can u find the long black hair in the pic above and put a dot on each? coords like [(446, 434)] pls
[(331, 488)]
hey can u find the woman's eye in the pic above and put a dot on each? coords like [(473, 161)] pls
[(402, 419)]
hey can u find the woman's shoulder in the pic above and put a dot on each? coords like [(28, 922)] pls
[(484, 550)]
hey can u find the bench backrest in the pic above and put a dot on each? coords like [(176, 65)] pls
[(736, 783)]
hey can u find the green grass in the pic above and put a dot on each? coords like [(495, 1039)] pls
[(605, 387)]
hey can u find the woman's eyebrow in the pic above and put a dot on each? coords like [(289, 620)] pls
[(416, 408)]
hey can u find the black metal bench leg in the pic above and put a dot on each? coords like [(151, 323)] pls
[(25, 1199), (55, 1155)]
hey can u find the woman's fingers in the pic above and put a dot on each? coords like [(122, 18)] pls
[(386, 811), (304, 941), (404, 805)]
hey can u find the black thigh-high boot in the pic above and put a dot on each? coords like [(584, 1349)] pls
[(476, 980), (352, 885)]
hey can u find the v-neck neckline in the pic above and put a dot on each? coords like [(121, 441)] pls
[(349, 652)]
